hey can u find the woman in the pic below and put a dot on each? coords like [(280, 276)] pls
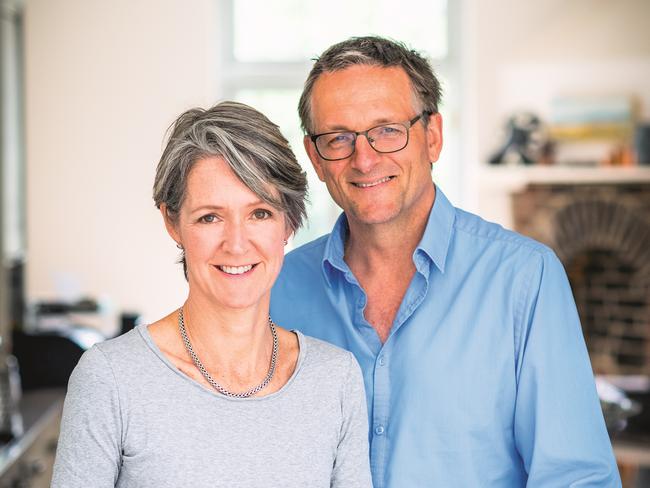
[(215, 394)]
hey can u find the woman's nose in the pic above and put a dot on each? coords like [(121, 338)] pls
[(235, 238)]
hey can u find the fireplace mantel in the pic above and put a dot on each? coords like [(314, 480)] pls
[(496, 184), (523, 175)]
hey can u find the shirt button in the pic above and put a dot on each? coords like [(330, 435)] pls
[(382, 361), (379, 430)]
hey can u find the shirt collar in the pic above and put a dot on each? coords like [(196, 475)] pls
[(438, 232), (434, 243), (335, 248)]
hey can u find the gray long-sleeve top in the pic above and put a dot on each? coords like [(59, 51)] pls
[(132, 419)]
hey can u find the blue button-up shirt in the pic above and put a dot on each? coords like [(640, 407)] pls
[(484, 380)]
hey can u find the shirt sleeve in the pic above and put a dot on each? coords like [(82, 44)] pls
[(559, 428), (352, 463), (89, 447)]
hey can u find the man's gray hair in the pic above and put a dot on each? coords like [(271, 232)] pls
[(250, 144), (373, 51)]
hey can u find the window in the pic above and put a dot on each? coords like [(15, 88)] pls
[(267, 53)]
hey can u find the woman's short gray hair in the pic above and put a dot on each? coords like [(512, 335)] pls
[(373, 51), (250, 144)]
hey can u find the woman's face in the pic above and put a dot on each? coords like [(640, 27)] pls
[(233, 240)]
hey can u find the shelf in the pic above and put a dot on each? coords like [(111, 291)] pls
[(514, 177)]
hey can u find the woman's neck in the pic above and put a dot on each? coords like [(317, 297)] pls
[(229, 339)]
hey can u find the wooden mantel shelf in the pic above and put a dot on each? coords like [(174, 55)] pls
[(515, 177)]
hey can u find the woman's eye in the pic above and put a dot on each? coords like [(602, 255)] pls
[(208, 219), (261, 214)]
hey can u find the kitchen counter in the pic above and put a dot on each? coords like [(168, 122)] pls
[(26, 461)]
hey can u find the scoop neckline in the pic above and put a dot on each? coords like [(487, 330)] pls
[(143, 330)]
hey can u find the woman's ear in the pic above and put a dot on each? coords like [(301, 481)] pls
[(288, 232), (170, 224)]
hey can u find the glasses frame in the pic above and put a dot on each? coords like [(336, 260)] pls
[(407, 125)]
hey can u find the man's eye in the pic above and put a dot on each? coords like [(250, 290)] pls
[(339, 139), (389, 131), (261, 214)]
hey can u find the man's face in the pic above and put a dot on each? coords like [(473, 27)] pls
[(374, 188)]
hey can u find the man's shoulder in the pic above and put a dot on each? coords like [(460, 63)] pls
[(483, 232), (300, 281), (309, 254), (301, 269)]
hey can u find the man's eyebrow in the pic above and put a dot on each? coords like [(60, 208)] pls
[(343, 128)]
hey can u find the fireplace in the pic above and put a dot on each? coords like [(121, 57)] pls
[(601, 232)]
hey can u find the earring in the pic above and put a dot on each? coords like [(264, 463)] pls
[(286, 242), (179, 246)]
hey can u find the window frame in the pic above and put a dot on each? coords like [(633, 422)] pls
[(286, 75)]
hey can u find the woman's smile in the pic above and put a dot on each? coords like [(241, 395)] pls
[(236, 270)]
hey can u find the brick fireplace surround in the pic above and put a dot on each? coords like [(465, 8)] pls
[(601, 232)]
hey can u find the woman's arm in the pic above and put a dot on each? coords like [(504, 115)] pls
[(352, 464), (89, 449)]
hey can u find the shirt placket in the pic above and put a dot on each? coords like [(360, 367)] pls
[(379, 441), (382, 355), (380, 422), (381, 390)]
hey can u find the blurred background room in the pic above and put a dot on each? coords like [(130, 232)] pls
[(547, 131)]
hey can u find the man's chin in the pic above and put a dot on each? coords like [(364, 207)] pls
[(372, 216)]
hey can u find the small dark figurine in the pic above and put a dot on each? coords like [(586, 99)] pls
[(525, 141)]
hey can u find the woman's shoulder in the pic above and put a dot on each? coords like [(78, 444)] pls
[(328, 355), (126, 343), (335, 370), (113, 353)]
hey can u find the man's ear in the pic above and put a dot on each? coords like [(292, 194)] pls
[(434, 137), (310, 148), (170, 224)]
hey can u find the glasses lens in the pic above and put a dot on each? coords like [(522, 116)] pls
[(389, 137), (336, 145)]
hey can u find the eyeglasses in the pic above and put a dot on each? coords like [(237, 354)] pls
[(384, 138)]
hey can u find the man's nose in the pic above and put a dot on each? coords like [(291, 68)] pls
[(235, 238), (365, 157)]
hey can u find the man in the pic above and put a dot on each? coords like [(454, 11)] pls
[(475, 368)]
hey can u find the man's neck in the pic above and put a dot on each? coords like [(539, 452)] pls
[(380, 256), (371, 247)]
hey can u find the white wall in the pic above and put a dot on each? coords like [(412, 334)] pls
[(555, 47), (104, 81), (527, 52)]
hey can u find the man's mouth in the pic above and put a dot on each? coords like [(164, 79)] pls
[(236, 270), (370, 184)]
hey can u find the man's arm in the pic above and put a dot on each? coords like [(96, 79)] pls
[(559, 428)]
